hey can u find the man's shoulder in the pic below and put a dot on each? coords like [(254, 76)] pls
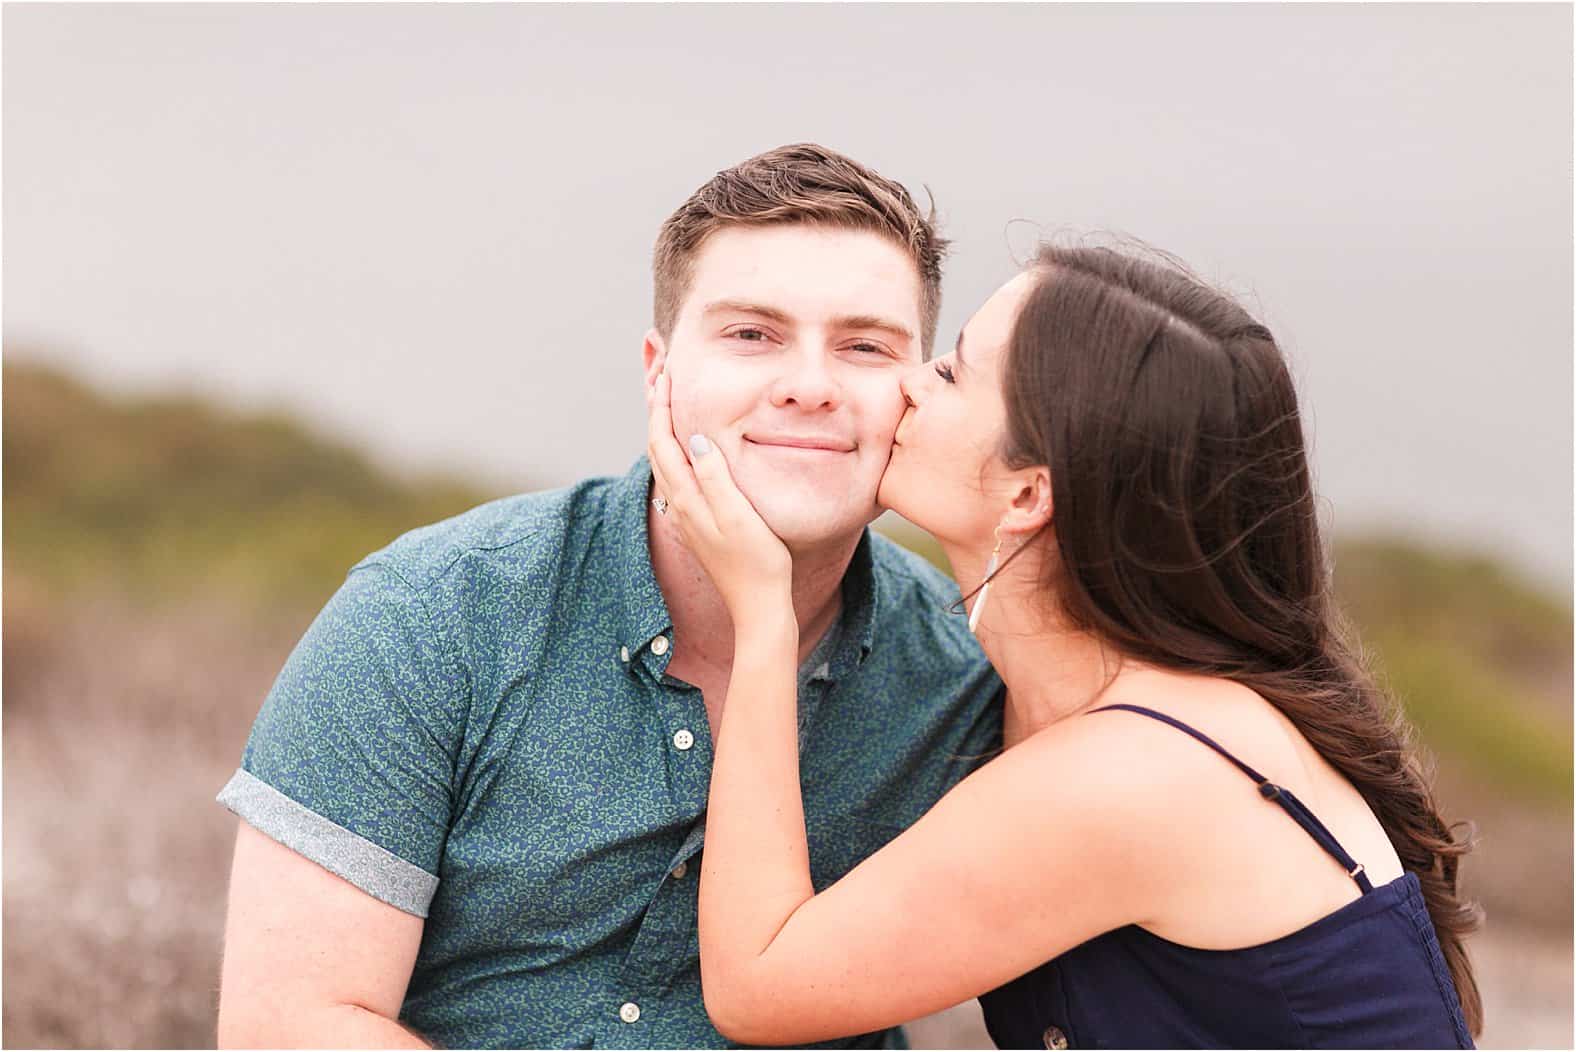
[(919, 597), (907, 568), (926, 680), (510, 536)]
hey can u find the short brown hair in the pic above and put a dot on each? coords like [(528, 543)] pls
[(800, 183)]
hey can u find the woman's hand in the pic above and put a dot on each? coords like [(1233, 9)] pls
[(747, 562)]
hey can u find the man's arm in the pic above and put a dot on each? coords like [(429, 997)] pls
[(344, 795), (309, 958)]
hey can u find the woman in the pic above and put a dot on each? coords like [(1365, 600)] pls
[(1113, 462)]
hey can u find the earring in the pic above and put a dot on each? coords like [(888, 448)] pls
[(990, 572)]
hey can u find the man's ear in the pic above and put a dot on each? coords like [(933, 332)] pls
[(653, 355), (1031, 506)]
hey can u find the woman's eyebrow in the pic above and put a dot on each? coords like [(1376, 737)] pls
[(957, 350)]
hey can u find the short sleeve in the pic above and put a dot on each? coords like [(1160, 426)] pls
[(351, 760)]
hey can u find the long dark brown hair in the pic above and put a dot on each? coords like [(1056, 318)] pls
[(1187, 532)]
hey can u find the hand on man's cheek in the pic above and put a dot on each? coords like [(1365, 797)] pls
[(682, 412)]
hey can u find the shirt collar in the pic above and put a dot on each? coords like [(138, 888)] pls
[(643, 613), (860, 596)]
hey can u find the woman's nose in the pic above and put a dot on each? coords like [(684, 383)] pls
[(908, 383)]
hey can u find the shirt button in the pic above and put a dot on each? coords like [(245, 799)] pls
[(659, 646), (683, 740), (629, 1012), (679, 870), (1054, 1038), (623, 654)]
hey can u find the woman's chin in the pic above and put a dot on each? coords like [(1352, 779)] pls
[(892, 495)]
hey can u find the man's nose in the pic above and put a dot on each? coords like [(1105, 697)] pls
[(807, 383)]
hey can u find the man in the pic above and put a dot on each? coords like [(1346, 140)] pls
[(475, 797)]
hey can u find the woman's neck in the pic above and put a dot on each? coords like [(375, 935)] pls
[(1051, 670)]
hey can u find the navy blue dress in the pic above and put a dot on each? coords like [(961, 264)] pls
[(1369, 975)]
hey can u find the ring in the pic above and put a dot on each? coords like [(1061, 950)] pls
[(661, 504)]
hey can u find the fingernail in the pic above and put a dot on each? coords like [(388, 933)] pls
[(699, 446)]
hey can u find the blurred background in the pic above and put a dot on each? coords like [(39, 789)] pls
[(282, 282)]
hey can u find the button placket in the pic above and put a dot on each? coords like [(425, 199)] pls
[(688, 748)]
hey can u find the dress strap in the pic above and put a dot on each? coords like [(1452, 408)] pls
[(1270, 791)]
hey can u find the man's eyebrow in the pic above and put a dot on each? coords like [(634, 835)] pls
[(873, 321), (746, 307)]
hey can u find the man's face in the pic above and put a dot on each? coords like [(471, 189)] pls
[(786, 353)]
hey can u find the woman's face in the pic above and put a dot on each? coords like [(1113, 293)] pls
[(946, 474)]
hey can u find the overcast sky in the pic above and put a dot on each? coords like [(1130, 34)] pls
[(428, 228)]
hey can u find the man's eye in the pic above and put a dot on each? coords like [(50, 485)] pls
[(748, 335), (866, 347)]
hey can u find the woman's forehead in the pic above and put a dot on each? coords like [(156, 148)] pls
[(986, 333)]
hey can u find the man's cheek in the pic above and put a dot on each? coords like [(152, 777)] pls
[(698, 408), (681, 406), (683, 423), (882, 406)]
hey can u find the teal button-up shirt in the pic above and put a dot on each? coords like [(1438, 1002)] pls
[(478, 729)]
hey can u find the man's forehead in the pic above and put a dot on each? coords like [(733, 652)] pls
[(806, 273)]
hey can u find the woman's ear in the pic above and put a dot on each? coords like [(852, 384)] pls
[(1031, 507)]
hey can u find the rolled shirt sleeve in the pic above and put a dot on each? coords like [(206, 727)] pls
[(352, 760)]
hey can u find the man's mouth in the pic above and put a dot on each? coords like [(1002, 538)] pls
[(802, 443)]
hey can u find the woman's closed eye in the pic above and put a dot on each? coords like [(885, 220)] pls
[(944, 371)]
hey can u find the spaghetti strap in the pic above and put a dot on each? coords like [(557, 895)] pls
[(1270, 791)]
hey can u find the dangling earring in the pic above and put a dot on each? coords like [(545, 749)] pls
[(990, 572)]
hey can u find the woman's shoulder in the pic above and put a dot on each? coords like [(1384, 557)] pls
[(1131, 764), (1201, 798), (1158, 778), (1233, 716), (1221, 709)]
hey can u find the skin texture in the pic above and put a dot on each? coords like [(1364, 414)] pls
[(835, 321), (1080, 826)]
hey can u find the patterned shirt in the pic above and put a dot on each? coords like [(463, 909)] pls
[(479, 729)]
